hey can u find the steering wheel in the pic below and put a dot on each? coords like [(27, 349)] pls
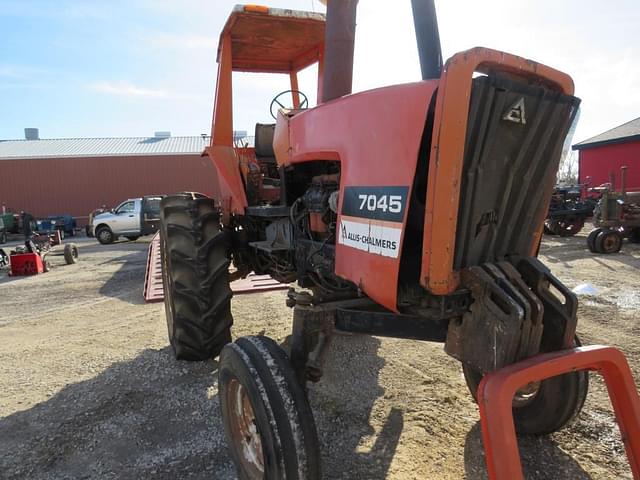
[(304, 103)]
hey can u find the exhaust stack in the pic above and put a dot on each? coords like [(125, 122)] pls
[(623, 181), (337, 78), (612, 181), (428, 37), (340, 34)]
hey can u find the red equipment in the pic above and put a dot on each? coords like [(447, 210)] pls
[(25, 264), (31, 259)]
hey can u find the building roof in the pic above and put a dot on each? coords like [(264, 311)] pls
[(624, 133), (101, 147)]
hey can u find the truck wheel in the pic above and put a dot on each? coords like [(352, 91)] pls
[(591, 240), (546, 406), (608, 241), (105, 235), (195, 274), (70, 253), (267, 419)]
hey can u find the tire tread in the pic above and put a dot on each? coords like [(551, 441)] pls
[(198, 303)]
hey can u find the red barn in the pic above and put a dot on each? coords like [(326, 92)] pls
[(74, 176), (606, 153)]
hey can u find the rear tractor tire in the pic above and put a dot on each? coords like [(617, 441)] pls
[(70, 253), (267, 419), (545, 407), (548, 227), (564, 227), (195, 274), (570, 226)]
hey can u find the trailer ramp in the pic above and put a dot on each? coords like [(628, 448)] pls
[(154, 290)]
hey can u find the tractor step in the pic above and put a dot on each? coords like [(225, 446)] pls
[(154, 290)]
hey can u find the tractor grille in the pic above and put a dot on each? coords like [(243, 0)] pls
[(515, 136)]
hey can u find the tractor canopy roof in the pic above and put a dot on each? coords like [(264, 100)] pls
[(273, 40)]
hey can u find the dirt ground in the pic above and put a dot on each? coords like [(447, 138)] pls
[(89, 388)]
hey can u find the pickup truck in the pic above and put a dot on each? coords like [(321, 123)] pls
[(131, 219)]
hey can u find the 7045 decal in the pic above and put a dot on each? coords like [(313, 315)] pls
[(391, 203), (378, 203)]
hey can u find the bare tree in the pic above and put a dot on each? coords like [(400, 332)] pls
[(568, 169)]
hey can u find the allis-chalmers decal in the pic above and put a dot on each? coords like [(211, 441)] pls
[(372, 219)]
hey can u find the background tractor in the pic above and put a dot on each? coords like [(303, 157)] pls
[(411, 211), (616, 216), (568, 210)]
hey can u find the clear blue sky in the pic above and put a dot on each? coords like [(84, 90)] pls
[(77, 68)]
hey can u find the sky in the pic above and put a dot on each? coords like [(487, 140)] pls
[(109, 68)]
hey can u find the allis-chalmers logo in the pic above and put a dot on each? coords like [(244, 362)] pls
[(516, 113)]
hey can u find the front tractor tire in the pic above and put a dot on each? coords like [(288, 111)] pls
[(591, 240), (267, 419), (545, 407), (195, 274)]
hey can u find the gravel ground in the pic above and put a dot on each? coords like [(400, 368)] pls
[(91, 390)]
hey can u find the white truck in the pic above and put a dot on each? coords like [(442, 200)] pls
[(131, 219)]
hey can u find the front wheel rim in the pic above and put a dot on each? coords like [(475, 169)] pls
[(525, 395), (611, 243), (244, 430)]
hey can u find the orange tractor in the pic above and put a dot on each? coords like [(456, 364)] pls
[(410, 211)]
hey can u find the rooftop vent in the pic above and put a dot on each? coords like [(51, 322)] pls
[(237, 134), (31, 134), (162, 134)]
